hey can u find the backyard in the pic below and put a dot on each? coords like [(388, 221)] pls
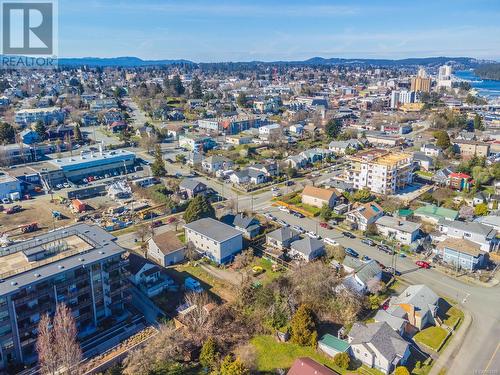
[(272, 355)]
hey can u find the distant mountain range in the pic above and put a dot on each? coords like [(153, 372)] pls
[(466, 62)]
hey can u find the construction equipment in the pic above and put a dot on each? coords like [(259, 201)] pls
[(25, 228), (13, 209), (146, 213), (57, 215)]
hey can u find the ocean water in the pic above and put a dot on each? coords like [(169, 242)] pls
[(485, 87)]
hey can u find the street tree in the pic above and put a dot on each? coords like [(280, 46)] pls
[(158, 166)]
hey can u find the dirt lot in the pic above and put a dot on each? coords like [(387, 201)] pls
[(35, 210)]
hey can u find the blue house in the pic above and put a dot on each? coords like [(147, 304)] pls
[(29, 136), (462, 253)]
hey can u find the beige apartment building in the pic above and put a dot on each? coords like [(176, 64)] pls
[(468, 149), (381, 171)]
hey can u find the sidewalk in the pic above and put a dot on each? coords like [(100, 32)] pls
[(451, 351)]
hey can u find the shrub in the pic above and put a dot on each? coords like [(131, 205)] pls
[(342, 360)]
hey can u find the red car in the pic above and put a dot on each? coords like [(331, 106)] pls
[(325, 225), (423, 264), (171, 219)]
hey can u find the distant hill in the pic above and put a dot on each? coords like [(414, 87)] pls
[(488, 71), (126, 61)]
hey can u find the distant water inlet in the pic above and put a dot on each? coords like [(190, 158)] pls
[(487, 88)]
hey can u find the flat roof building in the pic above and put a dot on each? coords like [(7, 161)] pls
[(80, 266)]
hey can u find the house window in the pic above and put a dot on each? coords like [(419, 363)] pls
[(467, 234)]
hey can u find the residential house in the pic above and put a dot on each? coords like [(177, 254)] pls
[(271, 132), (431, 150), (492, 221), (215, 163), (308, 366), (214, 239), (442, 176), (378, 346), (314, 155), (397, 229), (147, 276), (239, 139), (307, 248), (425, 162), (433, 214), (319, 197), (117, 126), (362, 276), (383, 139), (249, 226), (478, 233), (281, 238), (459, 181), (343, 147), (61, 132), (332, 345), (112, 116), (174, 130), (90, 119), (420, 303), (296, 129), (397, 323), (248, 176), (191, 187), (29, 136), (296, 161), (462, 253), (144, 131), (166, 248), (479, 198), (364, 214)]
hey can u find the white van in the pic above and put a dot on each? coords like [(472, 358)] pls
[(330, 241)]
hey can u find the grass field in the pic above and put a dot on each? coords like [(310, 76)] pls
[(453, 316), (272, 355), (431, 337)]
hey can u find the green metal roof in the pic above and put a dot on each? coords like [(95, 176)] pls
[(405, 212), (334, 342), (437, 212)]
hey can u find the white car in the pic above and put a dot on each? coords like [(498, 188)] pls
[(275, 188), (284, 209), (298, 229), (5, 200), (284, 223), (313, 235), (66, 185), (330, 241), (277, 194)]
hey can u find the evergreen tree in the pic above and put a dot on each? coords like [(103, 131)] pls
[(478, 122), (242, 100), (7, 133), (333, 128), (209, 355), (198, 208), (177, 86), (442, 139), (303, 327), (233, 367), (196, 91), (326, 212), (158, 166), (41, 130)]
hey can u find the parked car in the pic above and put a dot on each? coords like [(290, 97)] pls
[(366, 258), (284, 209), (423, 264), (281, 222), (349, 234), (298, 229), (156, 224), (275, 188), (313, 235), (289, 183), (330, 241), (368, 242), (297, 214), (171, 219), (351, 252), (384, 248), (325, 225), (277, 194), (5, 200)]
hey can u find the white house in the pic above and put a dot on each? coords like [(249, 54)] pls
[(400, 230), (166, 248), (215, 163), (364, 214), (218, 241), (342, 147), (478, 233), (378, 346), (307, 248), (431, 150)]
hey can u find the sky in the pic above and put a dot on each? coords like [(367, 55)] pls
[(267, 30)]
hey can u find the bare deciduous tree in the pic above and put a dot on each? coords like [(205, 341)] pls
[(197, 318), (58, 349)]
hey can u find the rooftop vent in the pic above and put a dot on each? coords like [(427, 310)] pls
[(60, 266), (37, 275), (81, 259), (13, 283)]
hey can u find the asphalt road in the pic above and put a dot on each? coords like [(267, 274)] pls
[(479, 353)]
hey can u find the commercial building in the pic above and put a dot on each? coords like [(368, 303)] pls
[(469, 149), (381, 171), (9, 186), (76, 168), (47, 115), (421, 82), (214, 239), (80, 266)]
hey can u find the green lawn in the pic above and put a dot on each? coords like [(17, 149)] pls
[(272, 355), (431, 337), (453, 316)]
